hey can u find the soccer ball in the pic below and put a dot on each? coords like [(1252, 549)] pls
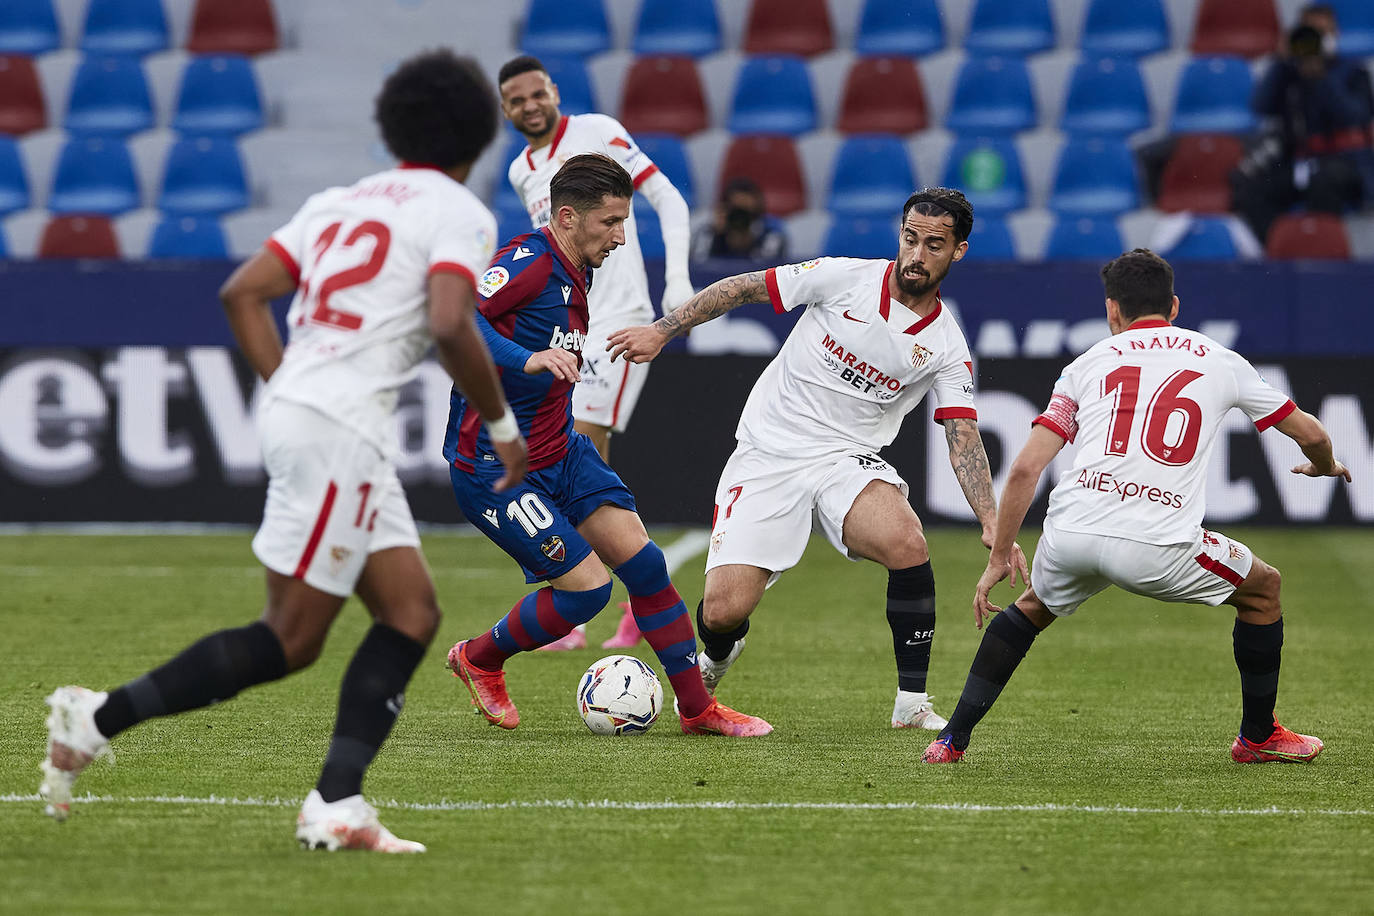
[(619, 695)]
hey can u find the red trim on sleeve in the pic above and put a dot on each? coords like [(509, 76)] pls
[(1216, 567), (284, 256), (1277, 416), (620, 142), (645, 175), (1052, 426), (452, 267), (955, 413), (317, 532), (770, 280)]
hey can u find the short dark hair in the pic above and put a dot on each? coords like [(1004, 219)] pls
[(943, 202), (585, 181), (438, 109), (525, 63), (1141, 282)]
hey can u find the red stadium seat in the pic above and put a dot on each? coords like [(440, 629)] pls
[(1197, 176), (788, 27), (883, 95), (772, 163), (663, 95), (21, 97), (1308, 235), (232, 27), (1243, 28), (78, 237)]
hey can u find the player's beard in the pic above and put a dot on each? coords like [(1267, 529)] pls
[(919, 287)]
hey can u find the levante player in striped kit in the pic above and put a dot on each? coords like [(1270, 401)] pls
[(572, 516)]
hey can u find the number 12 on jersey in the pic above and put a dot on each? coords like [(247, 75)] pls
[(323, 313), (1173, 423)]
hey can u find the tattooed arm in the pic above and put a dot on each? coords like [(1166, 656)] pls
[(970, 463), (641, 344)]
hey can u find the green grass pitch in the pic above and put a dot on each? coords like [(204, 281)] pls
[(1101, 782)]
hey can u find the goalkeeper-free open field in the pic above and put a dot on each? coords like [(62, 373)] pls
[(1101, 782)]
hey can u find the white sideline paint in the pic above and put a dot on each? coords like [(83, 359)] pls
[(608, 804), (684, 548)]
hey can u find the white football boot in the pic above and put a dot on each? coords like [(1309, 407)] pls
[(349, 823), (712, 671), (73, 742), (913, 710)]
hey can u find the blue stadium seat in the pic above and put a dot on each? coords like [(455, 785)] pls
[(1095, 177), (1213, 97), (109, 96), (1106, 96), (4, 247), (511, 220), (667, 152), (218, 95), (95, 175), (124, 27), (1010, 27), (988, 171), (188, 237), (503, 196), (899, 28), (650, 233), (861, 237), (992, 95), (1084, 238), (574, 85), (14, 184), (28, 27), (1357, 26), (567, 27), (1208, 239), (204, 177), (1114, 28), (990, 240), (685, 27), (871, 177), (773, 96)]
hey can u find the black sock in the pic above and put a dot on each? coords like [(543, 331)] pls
[(214, 669), (911, 615), (370, 699), (1005, 641), (718, 645), (1258, 648)]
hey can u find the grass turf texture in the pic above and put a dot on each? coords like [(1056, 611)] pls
[(1100, 781)]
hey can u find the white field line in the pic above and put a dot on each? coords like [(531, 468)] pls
[(684, 548), (611, 805), (164, 572)]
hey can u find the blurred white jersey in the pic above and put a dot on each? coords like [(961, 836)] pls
[(854, 366), (1147, 404), (620, 290), (362, 257)]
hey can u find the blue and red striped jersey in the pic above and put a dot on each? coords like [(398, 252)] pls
[(532, 296)]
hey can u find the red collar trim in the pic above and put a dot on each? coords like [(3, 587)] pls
[(579, 278), (885, 298), (553, 147), (1149, 323), (419, 165)]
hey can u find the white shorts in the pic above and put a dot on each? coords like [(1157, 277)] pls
[(332, 500), (1071, 567), (608, 392), (767, 506)]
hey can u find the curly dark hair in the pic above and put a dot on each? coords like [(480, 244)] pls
[(1141, 282), (943, 202), (438, 109), (585, 181)]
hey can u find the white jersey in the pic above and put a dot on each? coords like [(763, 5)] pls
[(620, 289), (362, 257), (854, 366), (1147, 404)]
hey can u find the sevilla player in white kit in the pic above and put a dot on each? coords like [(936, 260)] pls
[(606, 395), (874, 341), (380, 270), (1145, 406)]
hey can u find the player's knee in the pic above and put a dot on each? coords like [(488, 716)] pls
[(904, 551)]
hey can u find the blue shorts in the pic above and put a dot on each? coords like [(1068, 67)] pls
[(536, 522)]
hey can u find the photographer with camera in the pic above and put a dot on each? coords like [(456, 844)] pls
[(740, 228)]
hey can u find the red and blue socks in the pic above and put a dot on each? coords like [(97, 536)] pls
[(536, 620), (664, 620)]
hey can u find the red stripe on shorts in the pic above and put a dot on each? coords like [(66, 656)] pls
[(320, 521), (1219, 568)]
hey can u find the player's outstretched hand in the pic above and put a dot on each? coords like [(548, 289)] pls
[(1308, 469), (515, 458), (562, 363), (983, 608), (638, 344)]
